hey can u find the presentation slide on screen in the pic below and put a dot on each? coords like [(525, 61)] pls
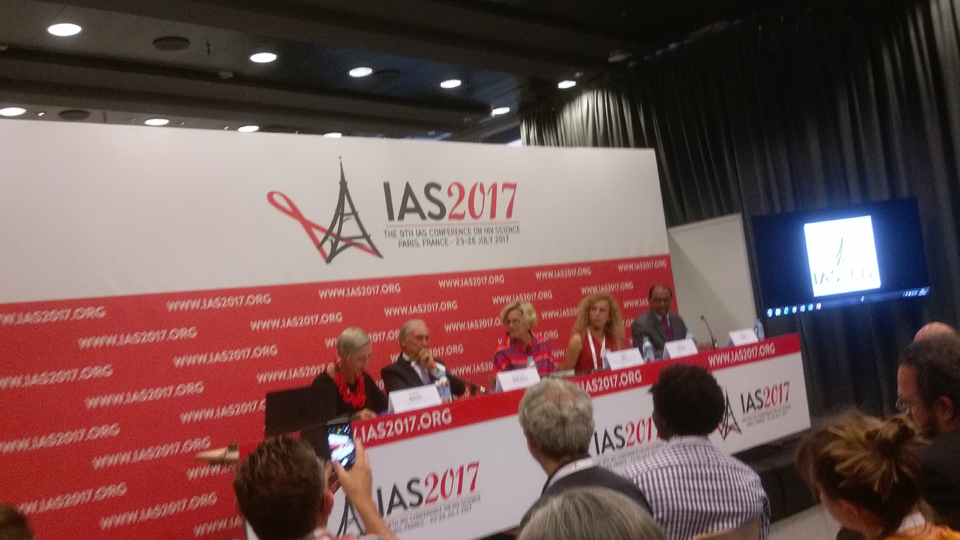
[(842, 256)]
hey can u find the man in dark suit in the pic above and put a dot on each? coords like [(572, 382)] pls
[(416, 365), (557, 420), (658, 324), (928, 391)]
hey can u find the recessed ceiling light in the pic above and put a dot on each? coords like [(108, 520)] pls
[(263, 57), (64, 29), (156, 121), (41, 113), (74, 115), (499, 110), (248, 129), (333, 134), (563, 85), (171, 43), (12, 111), (360, 71), (451, 83)]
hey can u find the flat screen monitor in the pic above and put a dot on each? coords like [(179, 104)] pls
[(821, 259)]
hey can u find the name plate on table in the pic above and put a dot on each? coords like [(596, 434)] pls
[(741, 337), (517, 379), (679, 348), (623, 359), (413, 399)]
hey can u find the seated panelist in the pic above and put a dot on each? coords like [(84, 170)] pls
[(599, 328), (416, 366), (519, 348), (658, 324), (355, 391)]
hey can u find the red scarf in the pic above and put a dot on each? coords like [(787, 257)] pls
[(358, 398)]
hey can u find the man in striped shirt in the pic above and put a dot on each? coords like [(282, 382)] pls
[(692, 487)]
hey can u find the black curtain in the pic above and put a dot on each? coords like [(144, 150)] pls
[(848, 102)]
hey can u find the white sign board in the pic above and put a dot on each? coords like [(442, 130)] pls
[(679, 348), (744, 336), (413, 399), (623, 359), (517, 379)]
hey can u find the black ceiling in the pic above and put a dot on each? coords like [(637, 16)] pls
[(505, 51)]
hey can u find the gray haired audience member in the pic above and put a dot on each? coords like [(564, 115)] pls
[(590, 513), (693, 487), (13, 524), (557, 420)]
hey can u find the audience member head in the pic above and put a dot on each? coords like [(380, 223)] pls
[(928, 384), (660, 297), (590, 513), (865, 470), (13, 524), (600, 310), (281, 490), (557, 419), (519, 318), (934, 329), (687, 400)]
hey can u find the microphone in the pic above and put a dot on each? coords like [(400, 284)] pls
[(712, 339)]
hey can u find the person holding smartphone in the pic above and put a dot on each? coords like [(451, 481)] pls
[(356, 392), (286, 493)]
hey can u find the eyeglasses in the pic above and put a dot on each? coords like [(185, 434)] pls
[(903, 406)]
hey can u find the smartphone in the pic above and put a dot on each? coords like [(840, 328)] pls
[(340, 442)]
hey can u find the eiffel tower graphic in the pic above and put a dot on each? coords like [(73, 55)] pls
[(345, 212), (729, 422)]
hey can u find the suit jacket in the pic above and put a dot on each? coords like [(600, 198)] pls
[(595, 476), (941, 477), (400, 375), (648, 325)]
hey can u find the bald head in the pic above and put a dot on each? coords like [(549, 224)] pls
[(934, 329)]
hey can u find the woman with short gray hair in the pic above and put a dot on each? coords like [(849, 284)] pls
[(355, 391)]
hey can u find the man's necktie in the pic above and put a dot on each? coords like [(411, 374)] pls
[(666, 328)]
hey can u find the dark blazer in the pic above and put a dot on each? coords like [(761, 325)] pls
[(592, 477), (400, 375), (648, 325), (941, 477)]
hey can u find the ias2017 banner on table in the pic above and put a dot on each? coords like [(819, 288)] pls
[(157, 283)]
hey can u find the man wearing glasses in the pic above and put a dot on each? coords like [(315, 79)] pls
[(658, 324), (928, 392)]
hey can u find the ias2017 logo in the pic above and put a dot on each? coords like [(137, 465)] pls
[(334, 233)]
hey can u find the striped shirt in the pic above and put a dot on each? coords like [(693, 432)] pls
[(694, 488), (511, 354)]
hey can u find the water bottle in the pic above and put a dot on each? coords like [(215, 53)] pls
[(443, 388), (647, 349), (531, 363), (689, 333), (758, 329)]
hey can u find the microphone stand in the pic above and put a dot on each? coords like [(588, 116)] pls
[(712, 339)]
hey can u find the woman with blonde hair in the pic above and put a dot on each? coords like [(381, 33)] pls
[(868, 477), (519, 348), (599, 328)]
